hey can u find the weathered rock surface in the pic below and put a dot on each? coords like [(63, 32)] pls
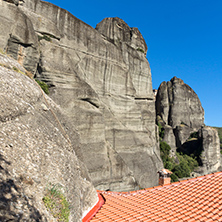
[(18, 36), (102, 81), (210, 155), (35, 151), (177, 104), (178, 107), (180, 113)]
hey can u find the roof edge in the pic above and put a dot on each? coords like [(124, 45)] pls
[(95, 209), (161, 186)]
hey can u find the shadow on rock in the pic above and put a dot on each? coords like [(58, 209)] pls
[(14, 204)]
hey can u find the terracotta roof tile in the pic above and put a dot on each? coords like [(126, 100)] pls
[(197, 199)]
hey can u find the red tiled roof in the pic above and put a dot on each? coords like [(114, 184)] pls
[(196, 199), (94, 210)]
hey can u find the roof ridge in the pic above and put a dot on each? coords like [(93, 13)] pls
[(194, 199), (160, 186)]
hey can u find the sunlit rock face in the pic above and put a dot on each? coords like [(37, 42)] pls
[(36, 153), (179, 110), (102, 81), (178, 104), (210, 155), (181, 114)]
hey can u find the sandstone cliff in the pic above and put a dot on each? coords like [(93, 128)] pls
[(180, 113), (102, 81)]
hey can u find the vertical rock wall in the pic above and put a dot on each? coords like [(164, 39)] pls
[(210, 155), (102, 81)]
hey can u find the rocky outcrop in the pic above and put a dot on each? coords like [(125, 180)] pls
[(102, 81), (36, 151), (177, 104), (181, 115), (210, 155), (178, 107)]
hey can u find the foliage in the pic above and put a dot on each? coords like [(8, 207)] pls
[(56, 203), (45, 37), (194, 135), (15, 69), (174, 178), (164, 150), (140, 50), (182, 169), (18, 70), (43, 86), (161, 131)]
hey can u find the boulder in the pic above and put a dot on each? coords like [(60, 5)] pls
[(36, 152), (169, 138)]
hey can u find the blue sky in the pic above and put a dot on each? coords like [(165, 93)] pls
[(184, 39)]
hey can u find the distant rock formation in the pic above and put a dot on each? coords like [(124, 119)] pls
[(210, 155), (178, 104), (180, 113)]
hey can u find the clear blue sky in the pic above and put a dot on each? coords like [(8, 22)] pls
[(184, 39)]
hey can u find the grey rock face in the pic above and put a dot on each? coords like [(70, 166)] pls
[(180, 113), (178, 107), (169, 137), (18, 37), (117, 31), (210, 155), (101, 81), (36, 151), (177, 104)]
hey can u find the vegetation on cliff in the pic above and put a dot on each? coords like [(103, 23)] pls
[(43, 86), (56, 203), (181, 165)]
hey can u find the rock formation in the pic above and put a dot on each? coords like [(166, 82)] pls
[(99, 123), (180, 113), (210, 155), (102, 81), (36, 151)]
